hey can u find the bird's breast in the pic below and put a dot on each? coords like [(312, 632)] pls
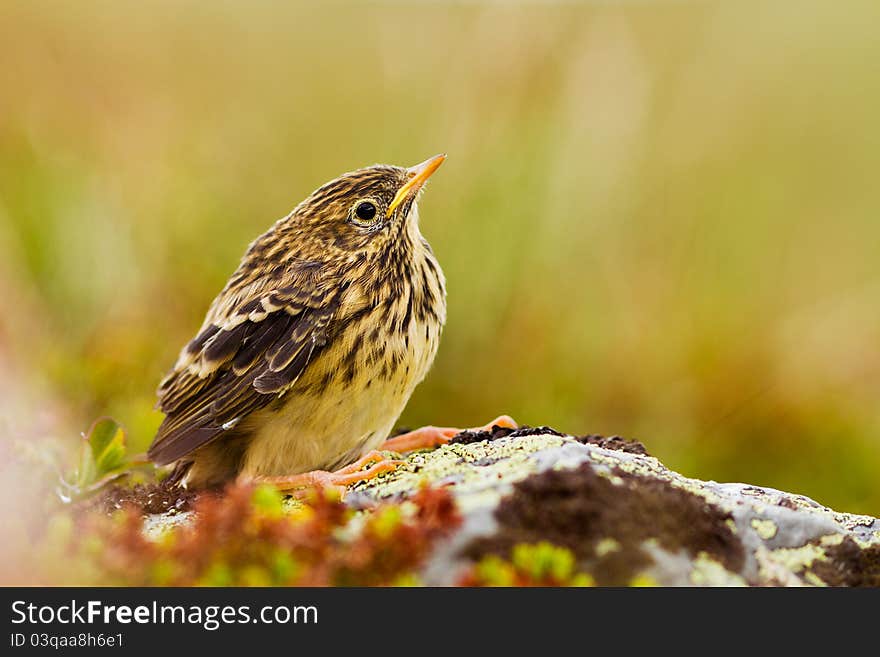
[(349, 398)]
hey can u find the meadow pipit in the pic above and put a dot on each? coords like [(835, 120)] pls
[(308, 356)]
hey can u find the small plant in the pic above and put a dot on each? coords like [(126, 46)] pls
[(541, 564), (103, 457), (249, 537)]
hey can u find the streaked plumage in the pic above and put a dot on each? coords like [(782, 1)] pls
[(309, 354)]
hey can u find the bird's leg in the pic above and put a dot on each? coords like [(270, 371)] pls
[(429, 437), (338, 480), (424, 438)]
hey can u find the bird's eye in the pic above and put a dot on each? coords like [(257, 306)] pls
[(365, 211)]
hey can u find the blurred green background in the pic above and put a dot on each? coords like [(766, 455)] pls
[(658, 219)]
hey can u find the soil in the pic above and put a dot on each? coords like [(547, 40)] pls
[(611, 442), (468, 437), (158, 497), (614, 442), (578, 509)]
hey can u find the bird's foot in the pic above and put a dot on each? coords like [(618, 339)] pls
[(299, 485), (430, 437)]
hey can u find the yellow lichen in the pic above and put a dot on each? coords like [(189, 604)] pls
[(643, 580), (606, 546), (813, 579), (766, 529), (708, 572), (799, 559), (499, 461)]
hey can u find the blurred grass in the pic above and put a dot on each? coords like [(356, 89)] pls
[(658, 219)]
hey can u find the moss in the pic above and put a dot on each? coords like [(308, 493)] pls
[(246, 537), (627, 511), (542, 564), (580, 510)]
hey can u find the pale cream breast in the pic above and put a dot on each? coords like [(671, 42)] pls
[(328, 419)]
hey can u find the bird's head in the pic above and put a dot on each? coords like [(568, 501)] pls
[(363, 211)]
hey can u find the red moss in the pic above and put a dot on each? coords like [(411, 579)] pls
[(244, 537)]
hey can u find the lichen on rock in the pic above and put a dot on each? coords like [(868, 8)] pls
[(538, 507), (624, 515)]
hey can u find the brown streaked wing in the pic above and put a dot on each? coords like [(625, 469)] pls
[(226, 373)]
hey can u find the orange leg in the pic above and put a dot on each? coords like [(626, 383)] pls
[(338, 480), (429, 437)]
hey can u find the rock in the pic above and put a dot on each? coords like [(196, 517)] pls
[(625, 516)]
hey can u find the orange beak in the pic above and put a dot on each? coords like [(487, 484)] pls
[(418, 175)]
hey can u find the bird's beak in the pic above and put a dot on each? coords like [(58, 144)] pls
[(417, 177)]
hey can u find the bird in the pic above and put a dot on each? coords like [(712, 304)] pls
[(309, 354)]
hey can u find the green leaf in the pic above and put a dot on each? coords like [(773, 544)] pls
[(86, 471), (102, 459), (107, 442)]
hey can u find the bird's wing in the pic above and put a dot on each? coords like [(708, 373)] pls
[(255, 343)]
